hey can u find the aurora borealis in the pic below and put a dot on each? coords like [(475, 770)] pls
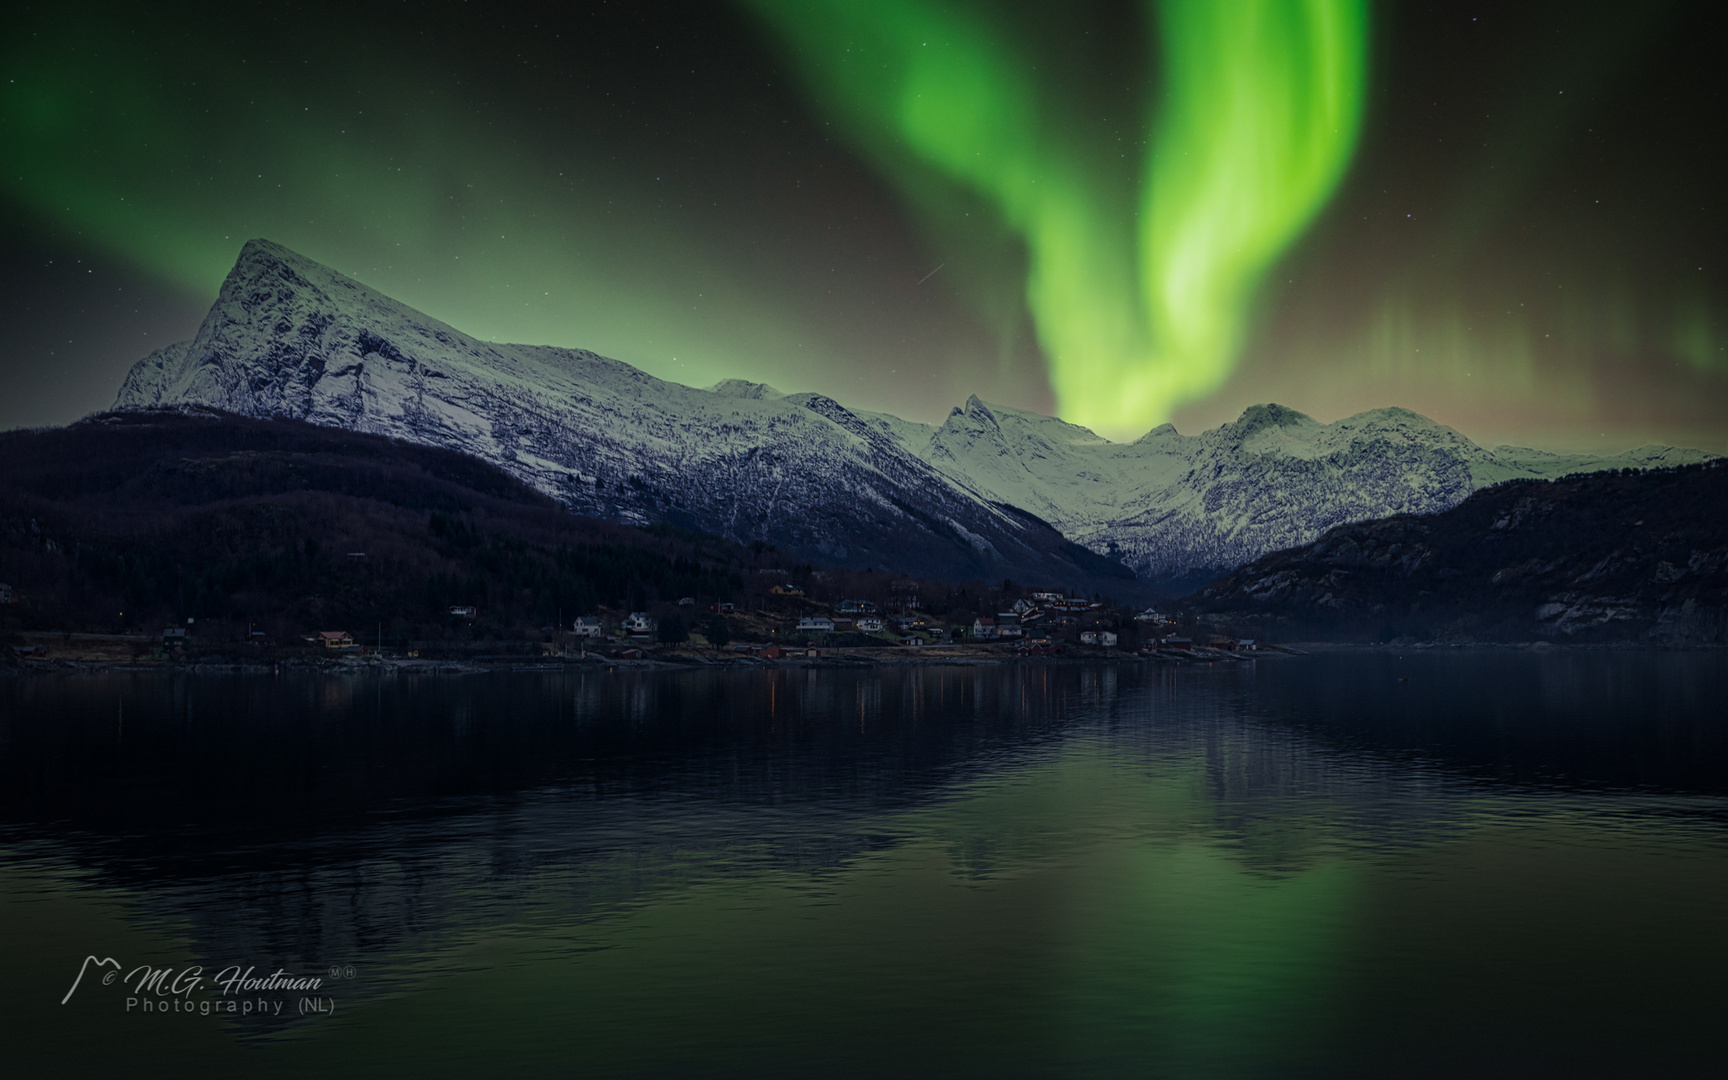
[(1508, 220), (1141, 267)]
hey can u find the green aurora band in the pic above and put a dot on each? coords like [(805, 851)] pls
[(1141, 274)]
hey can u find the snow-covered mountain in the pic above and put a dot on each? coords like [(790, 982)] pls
[(1172, 505), (289, 337)]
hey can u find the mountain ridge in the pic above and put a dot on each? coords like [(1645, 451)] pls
[(288, 336), (1604, 557)]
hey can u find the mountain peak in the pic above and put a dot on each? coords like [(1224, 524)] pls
[(744, 388), (1256, 419)]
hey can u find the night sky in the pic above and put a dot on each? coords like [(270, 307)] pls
[(1508, 217)]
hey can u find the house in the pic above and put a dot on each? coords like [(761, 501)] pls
[(1037, 647), (1247, 644), (337, 641), (640, 622), (722, 609), (770, 651), (1046, 597), (1010, 630), (870, 624), (843, 626), (856, 607), (786, 590), (625, 654), (5, 593), (1153, 616), (686, 601), (1181, 644), (464, 611), (1107, 638), (816, 624), (586, 626), (174, 637), (1088, 637), (911, 639), (1022, 606), (984, 628)]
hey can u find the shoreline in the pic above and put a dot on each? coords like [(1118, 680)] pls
[(846, 658), (835, 659)]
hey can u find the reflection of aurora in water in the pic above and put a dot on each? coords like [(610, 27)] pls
[(1015, 870)]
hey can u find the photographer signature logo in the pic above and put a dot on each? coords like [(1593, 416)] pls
[(242, 990)]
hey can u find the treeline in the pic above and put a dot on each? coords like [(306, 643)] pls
[(142, 520)]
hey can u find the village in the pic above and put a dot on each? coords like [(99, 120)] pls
[(780, 622)]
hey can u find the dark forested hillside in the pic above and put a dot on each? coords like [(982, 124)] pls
[(1632, 556), (146, 519)]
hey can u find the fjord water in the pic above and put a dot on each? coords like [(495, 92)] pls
[(1362, 863)]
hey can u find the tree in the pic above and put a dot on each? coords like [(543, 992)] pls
[(671, 630), (718, 633)]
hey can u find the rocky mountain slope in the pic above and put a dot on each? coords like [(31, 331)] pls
[(289, 337), (970, 498), (1603, 557)]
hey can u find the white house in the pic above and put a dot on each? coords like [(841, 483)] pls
[(463, 611), (984, 628), (1022, 606), (870, 624), (587, 626), (1107, 638), (640, 622), (1010, 630), (817, 624), (1088, 637), (1153, 616)]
